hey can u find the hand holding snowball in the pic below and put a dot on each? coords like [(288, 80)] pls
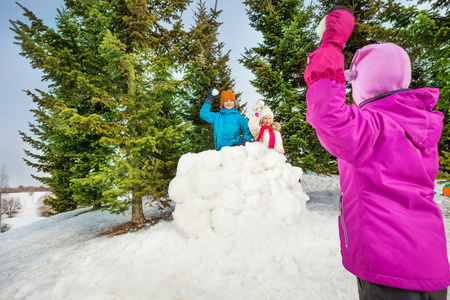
[(258, 106), (212, 93)]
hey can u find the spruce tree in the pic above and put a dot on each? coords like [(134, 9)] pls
[(68, 128), (278, 63), (206, 67), (108, 126), (142, 58)]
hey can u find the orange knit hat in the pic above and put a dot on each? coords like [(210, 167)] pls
[(226, 95)]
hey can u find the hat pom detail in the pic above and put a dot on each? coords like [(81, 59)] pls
[(350, 75)]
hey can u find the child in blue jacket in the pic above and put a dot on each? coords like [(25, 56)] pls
[(230, 127)]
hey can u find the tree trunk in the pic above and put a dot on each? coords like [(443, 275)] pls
[(137, 213)]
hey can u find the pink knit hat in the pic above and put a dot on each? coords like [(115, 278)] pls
[(377, 69)]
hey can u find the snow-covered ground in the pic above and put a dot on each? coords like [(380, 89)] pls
[(216, 248), (29, 212)]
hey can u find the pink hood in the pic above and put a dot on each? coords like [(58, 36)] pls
[(414, 113)]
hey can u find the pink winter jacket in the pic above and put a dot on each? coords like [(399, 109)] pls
[(391, 230)]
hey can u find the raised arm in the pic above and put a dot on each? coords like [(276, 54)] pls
[(342, 129), (205, 111)]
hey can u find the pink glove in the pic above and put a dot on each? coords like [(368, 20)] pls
[(328, 61)]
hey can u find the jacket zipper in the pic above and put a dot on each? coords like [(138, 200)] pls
[(341, 216), (379, 97)]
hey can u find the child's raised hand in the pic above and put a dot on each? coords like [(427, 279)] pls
[(257, 107), (327, 62), (212, 93)]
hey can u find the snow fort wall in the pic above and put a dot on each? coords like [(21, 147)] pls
[(236, 190)]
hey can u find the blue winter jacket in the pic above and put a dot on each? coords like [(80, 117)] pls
[(228, 125)]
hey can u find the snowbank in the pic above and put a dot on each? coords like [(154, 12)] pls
[(272, 254), (29, 212), (236, 190)]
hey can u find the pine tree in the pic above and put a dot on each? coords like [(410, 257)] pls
[(68, 126), (206, 67), (278, 64), (142, 59), (110, 123)]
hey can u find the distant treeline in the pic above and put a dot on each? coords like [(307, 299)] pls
[(28, 189)]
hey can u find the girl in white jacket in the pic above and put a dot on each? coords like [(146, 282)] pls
[(264, 129)]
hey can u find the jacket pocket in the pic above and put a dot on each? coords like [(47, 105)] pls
[(342, 220)]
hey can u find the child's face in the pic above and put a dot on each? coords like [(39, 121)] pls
[(228, 104), (267, 120)]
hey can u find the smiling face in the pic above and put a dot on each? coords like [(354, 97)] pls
[(228, 104), (267, 120)]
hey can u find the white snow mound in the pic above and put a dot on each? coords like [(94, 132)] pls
[(236, 190)]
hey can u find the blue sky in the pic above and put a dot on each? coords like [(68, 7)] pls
[(17, 75)]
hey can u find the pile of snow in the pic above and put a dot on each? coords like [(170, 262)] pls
[(236, 190), (298, 257)]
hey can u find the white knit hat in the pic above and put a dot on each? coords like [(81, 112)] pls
[(264, 112)]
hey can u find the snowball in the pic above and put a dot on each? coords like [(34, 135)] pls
[(232, 200), (214, 92), (255, 184), (253, 166), (191, 218), (186, 163), (293, 175), (206, 183), (233, 153), (227, 175), (273, 173), (209, 160), (272, 159), (179, 187), (222, 222), (255, 150)]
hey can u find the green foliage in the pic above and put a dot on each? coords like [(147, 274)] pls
[(68, 126), (444, 160), (108, 127), (126, 84), (206, 67), (278, 65)]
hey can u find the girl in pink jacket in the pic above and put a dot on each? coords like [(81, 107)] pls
[(391, 231)]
